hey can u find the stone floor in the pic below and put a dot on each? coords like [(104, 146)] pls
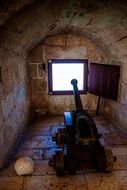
[(38, 145)]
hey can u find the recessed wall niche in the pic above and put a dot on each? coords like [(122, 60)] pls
[(61, 46)]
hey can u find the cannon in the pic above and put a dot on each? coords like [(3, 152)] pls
[(79, 144)]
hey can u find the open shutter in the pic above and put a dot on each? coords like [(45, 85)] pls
[(103, 80)]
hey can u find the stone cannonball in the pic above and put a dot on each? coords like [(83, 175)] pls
[(24, 166)]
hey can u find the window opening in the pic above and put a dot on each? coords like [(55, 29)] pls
[(62, 71)]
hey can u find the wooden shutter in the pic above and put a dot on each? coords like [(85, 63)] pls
[(103, 80)]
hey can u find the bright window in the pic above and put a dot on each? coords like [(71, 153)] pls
[(61, 72)]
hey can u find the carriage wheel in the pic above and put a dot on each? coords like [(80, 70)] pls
[(59, 163), (104, 159), (109, 159)]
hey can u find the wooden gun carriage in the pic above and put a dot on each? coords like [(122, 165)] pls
[(79, 144)]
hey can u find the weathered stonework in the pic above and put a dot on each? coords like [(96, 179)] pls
[(60, 46), (95, 30), (14, 106)]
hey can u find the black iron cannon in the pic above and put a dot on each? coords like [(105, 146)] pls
[(79, 143)]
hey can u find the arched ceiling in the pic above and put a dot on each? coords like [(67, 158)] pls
[(10, 7), (26, 23)]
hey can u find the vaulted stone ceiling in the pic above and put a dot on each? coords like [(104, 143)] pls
[(105, 22), (9, 7)]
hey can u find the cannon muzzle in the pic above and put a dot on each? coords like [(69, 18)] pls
[(78, 103)]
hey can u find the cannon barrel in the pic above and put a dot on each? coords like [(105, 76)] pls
[(77, 98)]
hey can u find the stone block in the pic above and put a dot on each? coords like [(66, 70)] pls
[(7, 106), (122, 116), (77, 40), (123, 92), (53, 182), (10, 78), (112, 180), (40, 101), (5, 80), (77, 52), (99, 56), (9, 135), (120, 49), (43, 168), (57, 40), (36, 153), (1, 136), (11, 183), (1, 90), (1, 116), (41, 70), (124, 72), (39, 85), (39, 142), (22, 69), (115, 33), (32, 70), (36, 55)]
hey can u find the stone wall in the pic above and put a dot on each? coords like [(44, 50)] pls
[(117, 110), (25, 25), (62, 46), (14, 104)]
